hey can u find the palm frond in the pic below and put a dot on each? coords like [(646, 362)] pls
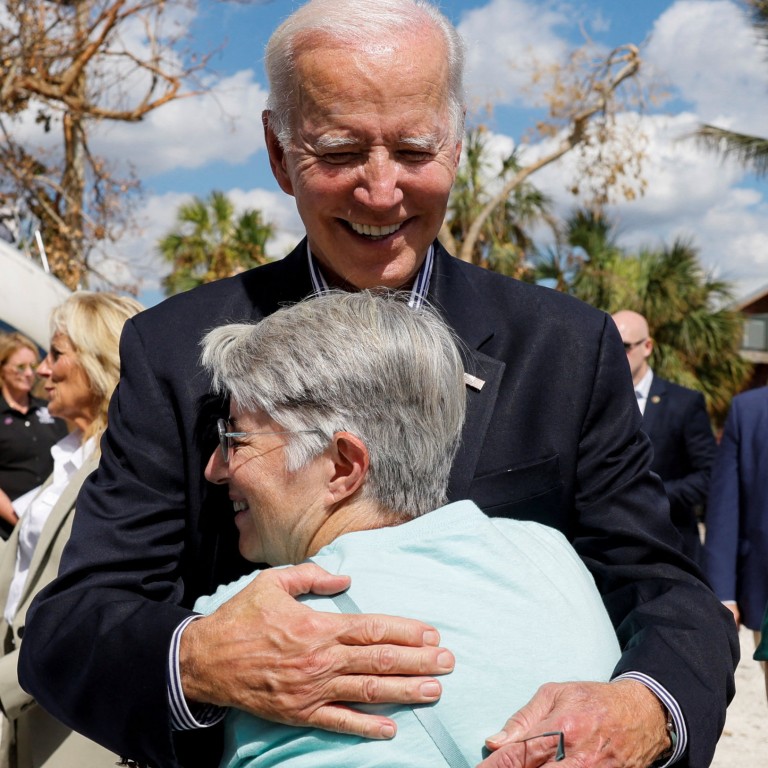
[(749, 151)]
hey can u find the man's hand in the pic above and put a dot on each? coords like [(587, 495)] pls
[(606, 725), (734, 609), (266, 653)]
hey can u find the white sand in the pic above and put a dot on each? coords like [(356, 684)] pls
[(744, 743)]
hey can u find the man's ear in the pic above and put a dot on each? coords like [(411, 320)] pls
[(276, 155), (459, 143), (648, 348), (350, 465)]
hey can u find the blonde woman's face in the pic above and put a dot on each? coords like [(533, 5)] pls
[(66, 384)]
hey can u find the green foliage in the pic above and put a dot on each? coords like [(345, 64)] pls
[(749, 151), (504, 243), (697, 338), (209, 243)]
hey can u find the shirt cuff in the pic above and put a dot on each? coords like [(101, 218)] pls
[(672, 707), (183, 716)]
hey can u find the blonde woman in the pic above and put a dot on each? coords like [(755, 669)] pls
[(80, 373)]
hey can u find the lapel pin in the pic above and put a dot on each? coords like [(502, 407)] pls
[(654, 399), (473, 381)]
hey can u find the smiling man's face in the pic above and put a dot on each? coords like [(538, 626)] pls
[(373, 158)]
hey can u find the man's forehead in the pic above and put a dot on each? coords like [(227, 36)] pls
[(331, 73)]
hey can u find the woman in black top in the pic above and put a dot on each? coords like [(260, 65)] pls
[(27, 430)]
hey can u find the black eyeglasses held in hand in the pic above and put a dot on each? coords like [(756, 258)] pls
[(560, 753)]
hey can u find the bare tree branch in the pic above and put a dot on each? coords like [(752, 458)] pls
[(596, 97), (68, 61)]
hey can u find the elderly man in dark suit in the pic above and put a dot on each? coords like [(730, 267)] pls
[(737, 514), (363, 129), (676, 420)]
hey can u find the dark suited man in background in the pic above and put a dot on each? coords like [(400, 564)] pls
[(676, 420), (737, 512), (363, 127)]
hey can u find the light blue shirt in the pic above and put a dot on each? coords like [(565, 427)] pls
[(512, 600)]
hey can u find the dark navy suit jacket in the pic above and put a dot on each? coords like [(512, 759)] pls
[(737, 515), (554, 435), (684, 447)]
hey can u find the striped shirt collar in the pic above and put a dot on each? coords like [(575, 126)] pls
[(419, 290)]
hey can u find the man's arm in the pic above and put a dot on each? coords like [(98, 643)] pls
[(670, 626), (286, 684), (105, 624)]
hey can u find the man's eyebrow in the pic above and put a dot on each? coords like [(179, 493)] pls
[(428, 142), (334, 142)]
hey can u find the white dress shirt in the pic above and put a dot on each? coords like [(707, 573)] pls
[(643, 390)]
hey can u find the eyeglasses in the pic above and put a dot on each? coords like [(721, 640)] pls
[(225, 437), (630, 345), (560, 753), (22, 368)]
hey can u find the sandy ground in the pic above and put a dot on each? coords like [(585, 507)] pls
[(744, 743)]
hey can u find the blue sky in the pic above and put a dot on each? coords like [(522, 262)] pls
[(702, 51)]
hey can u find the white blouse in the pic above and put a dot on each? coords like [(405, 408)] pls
[(34, 507)]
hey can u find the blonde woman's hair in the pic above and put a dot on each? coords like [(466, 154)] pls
[(93, 323)]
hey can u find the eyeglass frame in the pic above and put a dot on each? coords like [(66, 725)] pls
[(22, 367), (225, 437), (630, 345), (560, 753)]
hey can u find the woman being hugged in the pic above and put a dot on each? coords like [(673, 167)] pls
[(80, 373)]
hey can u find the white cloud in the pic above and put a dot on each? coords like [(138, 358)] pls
[(690, 195), (157, 217), (223, 124), (277, 208), (708, 53), (505, 39)]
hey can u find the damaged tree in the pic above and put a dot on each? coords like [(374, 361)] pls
[(585, 98), (66, 66)]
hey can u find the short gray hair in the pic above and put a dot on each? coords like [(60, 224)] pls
[(358, 22), (364, 363)]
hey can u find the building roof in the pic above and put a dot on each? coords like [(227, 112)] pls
[(27, 294), (754, 303)]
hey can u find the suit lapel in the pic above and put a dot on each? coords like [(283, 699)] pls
[(463, 308)]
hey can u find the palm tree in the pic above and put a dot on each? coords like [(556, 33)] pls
[(750, 151), (209, 243), (504, 243), (697, 338)]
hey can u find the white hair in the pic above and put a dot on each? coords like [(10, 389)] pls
[(368, 24), (363, 363)]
